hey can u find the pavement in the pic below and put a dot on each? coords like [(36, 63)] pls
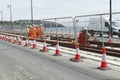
[(23, 63)]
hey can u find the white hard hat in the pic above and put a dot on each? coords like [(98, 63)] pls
[(84, 28), (40, 24)]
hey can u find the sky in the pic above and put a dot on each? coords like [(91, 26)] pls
[(21, 9)]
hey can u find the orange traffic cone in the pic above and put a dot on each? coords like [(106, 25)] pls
[(34, 44), (57, 52), (95, 38), (15, 40), (0, 36), (44, 46), (69, 35), (77, 57), (62, 34), (110, 40), (104, 64), (26, 43), (3, 37), (10, 40), (6, 38), (20, 41)]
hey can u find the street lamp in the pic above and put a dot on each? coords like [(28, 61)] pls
[(1, 18), (110, 30), (9, 6), (32, 22)]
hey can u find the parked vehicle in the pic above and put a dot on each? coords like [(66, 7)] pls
[(96, 25)]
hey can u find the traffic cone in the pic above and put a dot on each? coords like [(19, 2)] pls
[(69, 35), (9, 39), (20, 41), (62, 34), (6, 38), (0, 36), (26, 43), (57, 52), (44, 46), (95, 38), (110, 39), (3, 37), (34, 44), (77, 57), (15, 40), (104, 64)]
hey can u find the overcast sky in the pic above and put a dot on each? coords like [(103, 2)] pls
[(56, 8)]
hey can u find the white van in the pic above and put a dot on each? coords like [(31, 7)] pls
[(94, 26)]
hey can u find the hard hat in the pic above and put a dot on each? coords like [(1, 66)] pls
[(84, 28), (40, 24)]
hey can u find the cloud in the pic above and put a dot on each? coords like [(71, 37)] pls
[(56, 8)]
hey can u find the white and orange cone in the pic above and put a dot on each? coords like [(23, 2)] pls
[(77, 57), (3, 37), (110, 39), (62, 34), (104, 64), (34, 44), (26, 43), (44, 46), (20, 41), (0, 36), (69, 35), (57, 52), (6, 38), (15, 40), (10, 40), (95, 38)]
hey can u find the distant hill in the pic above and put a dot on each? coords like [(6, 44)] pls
[(22, 24), (38, 22)]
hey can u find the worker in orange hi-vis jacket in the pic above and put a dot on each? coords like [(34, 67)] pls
[(37, 32), (40, 31), (34, 33), (31, 32)]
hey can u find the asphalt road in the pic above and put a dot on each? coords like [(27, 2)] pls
[(19, 63)]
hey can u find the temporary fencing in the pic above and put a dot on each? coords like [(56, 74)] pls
[(59, 27), (72, 26)]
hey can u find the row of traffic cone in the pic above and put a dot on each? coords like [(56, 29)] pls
[(109, 40), (104, 64), (77, 58)]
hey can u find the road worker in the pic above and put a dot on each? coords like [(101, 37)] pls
[(32, 31), (37, 32), (80, 38), (85, 37), (27, 30), (40, 31)]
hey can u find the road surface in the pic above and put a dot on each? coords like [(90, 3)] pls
[(22, 63)]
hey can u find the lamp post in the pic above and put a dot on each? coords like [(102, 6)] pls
[(9, 6), (110, 30), (32, 22), (1, 18)]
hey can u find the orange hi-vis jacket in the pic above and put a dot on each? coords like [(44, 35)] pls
[(32, 31), (40, 32), (37, 32)]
